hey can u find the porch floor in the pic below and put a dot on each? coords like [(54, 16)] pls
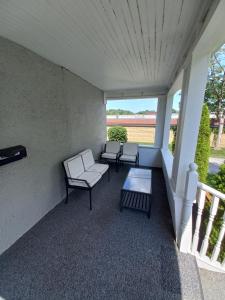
[(73, 253)]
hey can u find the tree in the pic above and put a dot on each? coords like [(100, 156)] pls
[(146, 112), (119, 112), (215, 90), (173, 145), (203, 145), (217, 181)]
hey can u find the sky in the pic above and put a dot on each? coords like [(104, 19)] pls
[(133, 105), (136, 105), (176, 100)]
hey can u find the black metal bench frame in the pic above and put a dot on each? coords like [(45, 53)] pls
[(88, 188)]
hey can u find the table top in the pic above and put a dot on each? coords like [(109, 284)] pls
[(135, 184), (140, 173)]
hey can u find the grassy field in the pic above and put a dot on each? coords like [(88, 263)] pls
[(146, 136), (218, 153), (213, 153)]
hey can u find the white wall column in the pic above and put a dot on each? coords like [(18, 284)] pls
[(194, 83), (160, 121), (166, 130), (177, 85)]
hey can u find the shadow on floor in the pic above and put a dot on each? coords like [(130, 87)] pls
[(74, 253)]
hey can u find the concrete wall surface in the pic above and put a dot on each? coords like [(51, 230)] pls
[(150, 157), (52, 112)]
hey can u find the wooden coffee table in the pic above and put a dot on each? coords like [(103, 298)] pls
[(137, 190)]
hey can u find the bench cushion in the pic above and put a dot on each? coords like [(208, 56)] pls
[(109, 155), (91, 177), (131, 158), (100, 168), (74, 166), (87, 158)]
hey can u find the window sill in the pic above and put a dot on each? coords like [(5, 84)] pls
[(147, 146)]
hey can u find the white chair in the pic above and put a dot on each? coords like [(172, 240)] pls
[(111, 152), (81, 172), (130, 153)]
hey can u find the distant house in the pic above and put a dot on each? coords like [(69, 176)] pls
[(148, 120)]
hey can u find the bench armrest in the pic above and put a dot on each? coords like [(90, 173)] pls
[(81, 180)]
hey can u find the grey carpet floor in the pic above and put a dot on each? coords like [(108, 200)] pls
[(74, 253)]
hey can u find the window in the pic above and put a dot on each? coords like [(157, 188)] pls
[(138, 116), (174, 120)]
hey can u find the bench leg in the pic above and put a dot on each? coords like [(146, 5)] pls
[(67, 195), (117, 166), (90, 198), (109, 173)]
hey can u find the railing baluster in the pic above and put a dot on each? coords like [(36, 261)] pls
[(201, 204), (213, 210), (206, 261), (216, 250)]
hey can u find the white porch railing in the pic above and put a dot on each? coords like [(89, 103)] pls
[(200, 244)]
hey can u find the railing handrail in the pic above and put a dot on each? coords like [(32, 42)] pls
[(211, 190)]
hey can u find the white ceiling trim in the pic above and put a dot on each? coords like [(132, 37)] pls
[(135, 93)]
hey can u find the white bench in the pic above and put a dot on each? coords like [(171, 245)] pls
[(82, 172)]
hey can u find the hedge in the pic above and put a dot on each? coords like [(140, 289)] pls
[(203, 146), (117, 133), (217, 181)]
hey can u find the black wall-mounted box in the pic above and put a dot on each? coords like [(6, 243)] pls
[(11, 154)]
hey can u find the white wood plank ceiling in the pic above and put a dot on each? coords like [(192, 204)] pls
[(114, 44)]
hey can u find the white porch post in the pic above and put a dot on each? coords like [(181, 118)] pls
[(166, 130), (194, 82), (177, 85), (185, 234), (160, 121)]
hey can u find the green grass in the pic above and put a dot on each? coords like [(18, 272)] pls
[(217, 153), (213, 153), (170, 147)]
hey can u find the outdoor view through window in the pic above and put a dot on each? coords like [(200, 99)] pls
[(136, 116), (174, 121)]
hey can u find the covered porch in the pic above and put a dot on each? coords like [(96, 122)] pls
[(59, 64)]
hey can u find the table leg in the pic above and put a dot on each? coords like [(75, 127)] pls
[(121, 200)]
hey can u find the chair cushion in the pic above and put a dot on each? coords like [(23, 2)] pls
[(100, 168), (90, 177), (112, 147), (87, 158), (109, 155), (74, 166), (131, 158), (130, 148)]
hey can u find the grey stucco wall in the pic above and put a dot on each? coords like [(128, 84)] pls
[(52, 112)]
